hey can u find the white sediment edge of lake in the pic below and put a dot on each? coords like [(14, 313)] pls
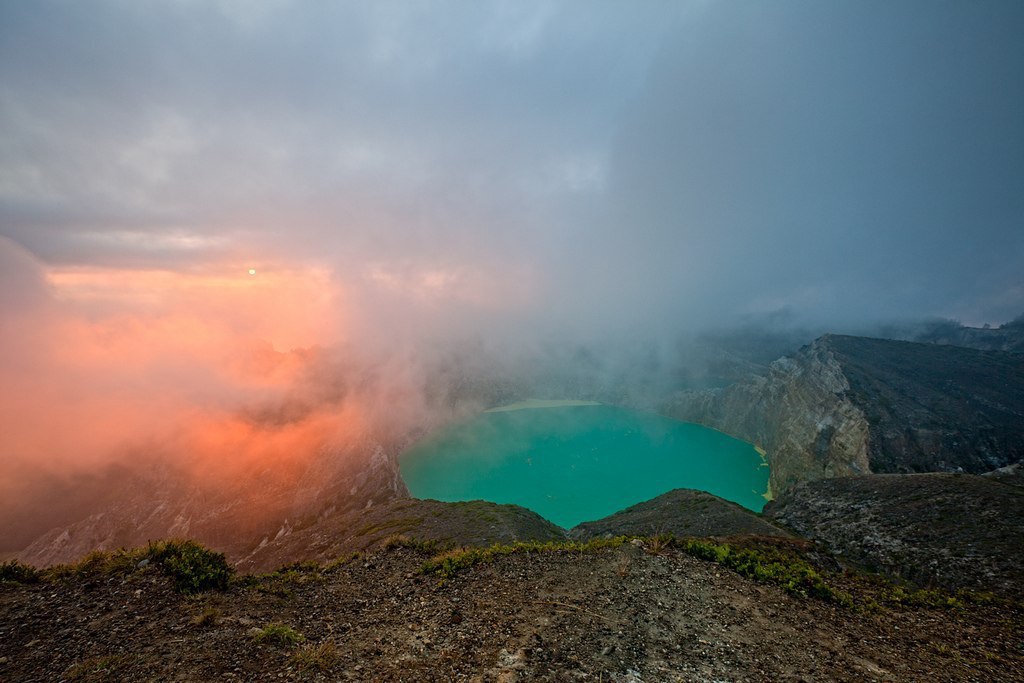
[(531, 403)]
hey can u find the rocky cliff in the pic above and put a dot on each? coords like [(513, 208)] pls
[(845, 406), (799, 413)]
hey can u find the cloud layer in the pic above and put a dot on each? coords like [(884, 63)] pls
[(408, 178), (691, 161)]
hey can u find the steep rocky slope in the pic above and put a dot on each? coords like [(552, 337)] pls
[(682, 512), (236, 519), (951, 530), (844, 406), (450, 524), (932, 407), (799, 413)]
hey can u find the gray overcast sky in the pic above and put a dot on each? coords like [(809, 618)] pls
[(631, 163)]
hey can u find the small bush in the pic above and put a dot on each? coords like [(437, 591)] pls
[(106, 668), (320, 656), (278, 634), (298, 573), (16, 572), (423, 545), (656, 545), (208, 617), (340, 562), (193, 567), (898, 595)]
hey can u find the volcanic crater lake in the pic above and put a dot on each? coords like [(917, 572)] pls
[(575, 463)]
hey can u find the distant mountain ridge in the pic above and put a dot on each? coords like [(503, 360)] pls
[(1007, 337)]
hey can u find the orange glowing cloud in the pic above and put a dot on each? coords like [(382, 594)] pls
[(116, 357)]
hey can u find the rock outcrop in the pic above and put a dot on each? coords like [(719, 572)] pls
[(799, 413), (844, 406)]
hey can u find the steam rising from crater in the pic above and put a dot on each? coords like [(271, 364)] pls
[(232, 233)]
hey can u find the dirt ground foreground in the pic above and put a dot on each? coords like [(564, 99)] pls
[(619, 614)]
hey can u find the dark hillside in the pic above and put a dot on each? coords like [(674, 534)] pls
[(935, 408), (682, 512), (952, 530)]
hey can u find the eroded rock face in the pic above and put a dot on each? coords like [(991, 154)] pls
[(935, 408), (235, 520), (846, 406), (799, 413)]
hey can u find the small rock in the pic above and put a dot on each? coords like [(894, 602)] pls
[(4, 660), (142, 563)]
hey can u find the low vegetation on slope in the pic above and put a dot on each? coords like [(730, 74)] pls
[(193, 567)]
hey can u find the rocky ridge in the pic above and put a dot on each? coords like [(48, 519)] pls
[(681, 513), (844, 406)]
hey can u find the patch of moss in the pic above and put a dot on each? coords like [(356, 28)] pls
[(104, 668), (315, 656)]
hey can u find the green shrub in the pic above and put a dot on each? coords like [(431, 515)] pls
[(768, 566), (16, 572), (193, 567), (278, 634)]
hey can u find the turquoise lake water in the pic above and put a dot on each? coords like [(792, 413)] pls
[(580, 463)]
